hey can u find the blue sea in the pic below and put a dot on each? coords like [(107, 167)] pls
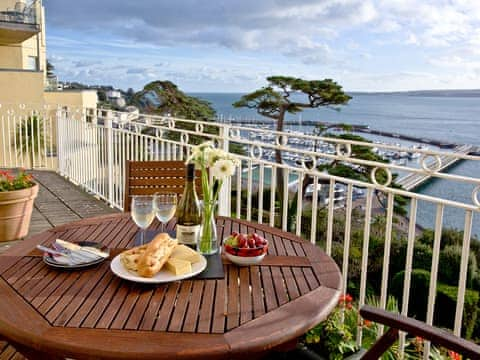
[(448, 118)]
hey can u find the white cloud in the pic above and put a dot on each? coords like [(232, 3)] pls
[(362, 43), (412, 39)]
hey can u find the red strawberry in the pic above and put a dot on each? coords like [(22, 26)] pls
[(229, 249)]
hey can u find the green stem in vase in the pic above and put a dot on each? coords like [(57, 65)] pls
[(207, 234)]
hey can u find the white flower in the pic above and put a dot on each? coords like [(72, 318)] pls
[(223, 168), (213, 155), (206, 155)]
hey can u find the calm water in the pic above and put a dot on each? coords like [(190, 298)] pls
[(452, 119)]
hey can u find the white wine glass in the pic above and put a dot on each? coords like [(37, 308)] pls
[(165, 205), (142, 213)]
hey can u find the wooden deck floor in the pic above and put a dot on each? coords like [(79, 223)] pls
[(58, 202)]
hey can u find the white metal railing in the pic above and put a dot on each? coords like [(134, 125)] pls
[(93, 145), (21, 13)]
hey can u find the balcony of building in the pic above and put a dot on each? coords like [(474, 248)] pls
[(19, 22), (371, 225)]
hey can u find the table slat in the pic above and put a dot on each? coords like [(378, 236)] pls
[(220, 307), (206, 309), (180, 306), (165, 312), (151, 312), (192, 314), (103, 302), (139, 309)]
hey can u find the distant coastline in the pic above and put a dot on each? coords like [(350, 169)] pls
[(425, 93), (420, 93)]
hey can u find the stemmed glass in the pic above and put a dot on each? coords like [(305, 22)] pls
[(165, 206), (142, 213)]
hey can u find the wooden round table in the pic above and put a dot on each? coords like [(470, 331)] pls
[(47, 313)]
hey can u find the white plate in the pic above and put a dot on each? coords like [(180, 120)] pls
[(162, 277)]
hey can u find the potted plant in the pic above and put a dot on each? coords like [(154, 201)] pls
[(17, 193), (335, 338)]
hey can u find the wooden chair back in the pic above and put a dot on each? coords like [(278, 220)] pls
[(397, 323), (150, 177)]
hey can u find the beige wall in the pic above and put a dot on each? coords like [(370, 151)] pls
[(73, 98), (21, 87), (11, 56)]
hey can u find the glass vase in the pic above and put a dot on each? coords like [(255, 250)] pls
[(208, 241)]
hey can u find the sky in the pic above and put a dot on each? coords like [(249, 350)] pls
[(233, 45)]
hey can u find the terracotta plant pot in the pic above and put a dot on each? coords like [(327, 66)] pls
[(15, 212)]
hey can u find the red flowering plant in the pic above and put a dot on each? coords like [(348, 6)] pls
[(335, 338), (11, 182)]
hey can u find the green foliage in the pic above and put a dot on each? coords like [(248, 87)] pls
[(419, 285), (344, 171), (333, 337), (29, 137), (102, 97), (336, 339), (11, 182), (422, 257), (447, 299), (449, 237), (274, 100), (450, 258), (174, 102), (50, 69)]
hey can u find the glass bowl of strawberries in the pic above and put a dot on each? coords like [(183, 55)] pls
[(245, 249)]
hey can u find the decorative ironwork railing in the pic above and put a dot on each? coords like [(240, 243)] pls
[(305, 194)]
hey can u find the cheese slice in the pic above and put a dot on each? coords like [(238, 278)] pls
[(185, 253), (178, 266)]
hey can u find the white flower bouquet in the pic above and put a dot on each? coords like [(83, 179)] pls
[(221, 165)]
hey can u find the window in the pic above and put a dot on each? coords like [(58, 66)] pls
[(32, 63)]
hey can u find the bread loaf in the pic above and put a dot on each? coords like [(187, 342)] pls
[(130, 258), (155, 255)]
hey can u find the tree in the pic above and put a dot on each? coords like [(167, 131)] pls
[(102, 97), (286, 94), (50, 70), (277, 99), (164, 98)]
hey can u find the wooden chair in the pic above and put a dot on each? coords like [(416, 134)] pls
[(150, 177), (397, 323)]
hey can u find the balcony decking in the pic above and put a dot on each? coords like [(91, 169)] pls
[(60, 202)]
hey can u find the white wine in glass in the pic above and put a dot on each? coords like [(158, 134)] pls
[(165, 206), (142, 213)]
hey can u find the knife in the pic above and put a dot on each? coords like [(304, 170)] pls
[(90, 253), (73, 260)]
